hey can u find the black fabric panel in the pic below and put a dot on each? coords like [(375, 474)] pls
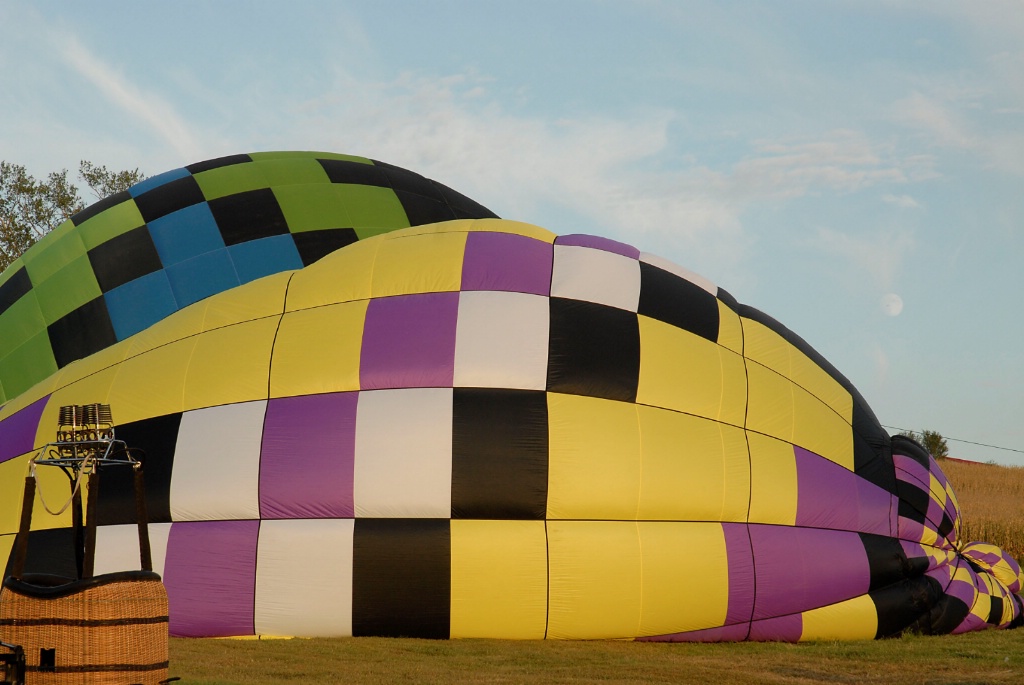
[(499, 454), (946, 526), (995, 613), (887, 561), (594, 350), (14, 288), (101, 206), (948, 613), (217, 163), (726, 297), (409, 181), (152, 441), (911, 510), (50, 552), (247, 216), (872, 456), (1019, 621), (341, 171), (314, 245), (124, 258), (78, 334), (170, 197), (401, 578), (901, 444), (677, 302), (424, 210), (904, 604), (464, 207)]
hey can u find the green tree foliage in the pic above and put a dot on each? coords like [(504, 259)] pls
[(931, 441), (31, 208)]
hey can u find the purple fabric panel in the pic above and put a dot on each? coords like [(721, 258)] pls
[(210, 574), (504, 261), (598, 243), (829, 496), (805, 568), (18, 431), (409, 342), (970, 624), (909, 529), (780, 629), (937, 471), (735, 633), (308, 456), (910, 471), (741, 573)]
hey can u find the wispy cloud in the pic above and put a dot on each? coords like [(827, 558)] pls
[(903, 201), (880, 254), (148, 109)]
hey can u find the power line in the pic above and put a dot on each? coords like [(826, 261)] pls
[(968, 442)]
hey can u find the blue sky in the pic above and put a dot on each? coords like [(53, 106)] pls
[(853, 168)]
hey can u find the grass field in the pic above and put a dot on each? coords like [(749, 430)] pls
[(991, 657), (991, 502), (992, 499)]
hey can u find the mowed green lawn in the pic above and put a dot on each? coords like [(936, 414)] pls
[(976, 658)]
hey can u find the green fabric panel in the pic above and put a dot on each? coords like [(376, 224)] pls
[(228, 180), (21, 321), (68, 289), (372, 206), (110, 224), (295, 154), (282, 172), (27, 365), (313, 207), (52, 254)]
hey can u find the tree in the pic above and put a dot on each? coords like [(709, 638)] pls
[(30, 208), (931, 441)]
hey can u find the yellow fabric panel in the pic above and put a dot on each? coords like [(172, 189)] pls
[(499, 579), (765, 346), (594, 458), (342, 276), (685, 577), (518, 227), (773, 483), (595, 573), (418, 264), (853, 619), (816, 381), (6, 547), (730, 329), (178, 326), (682, 371), (230, 364), (818, 428), (318, 350), (769, 402), (89, 390), (94, 363), (151, 384), (260, 298), (12, 488), (694, 469)]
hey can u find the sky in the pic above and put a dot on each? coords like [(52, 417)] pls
[(853, 168)]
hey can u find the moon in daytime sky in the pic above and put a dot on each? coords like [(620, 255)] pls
[(892, 304)]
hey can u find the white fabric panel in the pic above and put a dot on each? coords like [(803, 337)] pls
[(117, 547), (502, 341), (591, 275), (217, 463), (681, 271), (304, 578), (404, 453)]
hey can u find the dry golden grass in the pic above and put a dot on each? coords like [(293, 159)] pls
[(991, 502)]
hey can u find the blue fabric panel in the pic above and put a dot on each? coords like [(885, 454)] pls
[(202, 276), (156, 181), (185, 234), (137, 305), (259, 258)]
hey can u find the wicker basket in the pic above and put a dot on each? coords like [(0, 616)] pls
[(106, 630)]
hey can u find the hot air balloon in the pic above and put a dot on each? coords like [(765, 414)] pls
[(475, 427)]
